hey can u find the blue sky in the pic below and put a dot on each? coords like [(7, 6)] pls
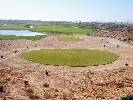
[(69, 10)]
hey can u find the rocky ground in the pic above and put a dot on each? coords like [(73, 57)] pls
[(23, 80), (123, 35)]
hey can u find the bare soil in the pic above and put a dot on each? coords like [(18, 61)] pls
[(26, 80)]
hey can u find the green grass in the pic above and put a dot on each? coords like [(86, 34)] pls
[(3, 81), (69, 38), (45, 85), (64, 29), (13, 27), (30, 93), (70, 57), (129, 97), (51, 28), (13, 37)]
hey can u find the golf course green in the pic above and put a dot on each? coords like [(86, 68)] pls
[(70, 57)]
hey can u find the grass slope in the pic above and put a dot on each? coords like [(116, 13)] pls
[(65, 38), (13, 37), (70, 57)]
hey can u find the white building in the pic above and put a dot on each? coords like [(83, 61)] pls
[(29, 26)]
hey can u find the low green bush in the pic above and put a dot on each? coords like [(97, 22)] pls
[(128, 97)]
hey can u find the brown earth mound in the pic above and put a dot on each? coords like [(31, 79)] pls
[(91, 85)]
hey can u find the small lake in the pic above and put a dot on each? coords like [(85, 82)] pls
[(19, 33)]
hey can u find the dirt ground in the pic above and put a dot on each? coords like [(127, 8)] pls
[(26, 80)]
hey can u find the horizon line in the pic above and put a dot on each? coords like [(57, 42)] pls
[(102, 21)]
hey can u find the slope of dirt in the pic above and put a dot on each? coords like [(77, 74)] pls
[(123, 35), (31, 81)]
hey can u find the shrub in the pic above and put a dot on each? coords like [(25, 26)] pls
[(47, 73), (46, 85), (124, 39), (2, 56), (26, 83), (3, 81), (126, 64), (30, 93), (129, 97), (118, 46), (16, 51), (2, 85), (1, 88)]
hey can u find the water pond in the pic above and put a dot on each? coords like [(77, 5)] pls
[(19, 33)]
